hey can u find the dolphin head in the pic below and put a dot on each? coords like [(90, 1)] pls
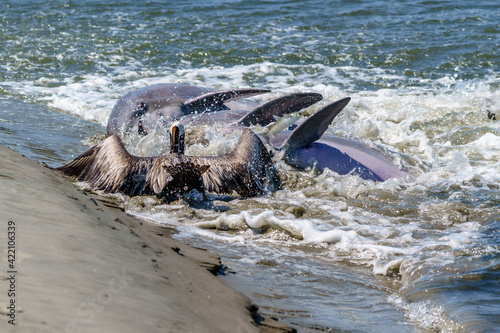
[(143, 109)]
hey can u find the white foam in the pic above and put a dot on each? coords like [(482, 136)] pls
[(224, 222), (188, 232), (426, 314), (488, 146)]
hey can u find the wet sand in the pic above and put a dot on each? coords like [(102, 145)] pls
[(83, 265)]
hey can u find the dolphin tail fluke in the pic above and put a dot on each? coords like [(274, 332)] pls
[(264, 114), (313, 127), (214, 101)]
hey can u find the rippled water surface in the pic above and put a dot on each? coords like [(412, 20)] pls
[(328, 252)]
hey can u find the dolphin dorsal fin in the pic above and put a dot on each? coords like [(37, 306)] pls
[(264, 114), (214, 101), (313, 127)]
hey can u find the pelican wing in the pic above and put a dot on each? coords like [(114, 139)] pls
[(245, 170), (109, 167)]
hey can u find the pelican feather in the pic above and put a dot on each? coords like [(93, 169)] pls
[(108, 166)]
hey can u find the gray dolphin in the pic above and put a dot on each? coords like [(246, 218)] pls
[(168, 101), (143, 109), (307, 146)]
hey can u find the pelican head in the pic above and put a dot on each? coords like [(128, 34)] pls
[(177, 138)]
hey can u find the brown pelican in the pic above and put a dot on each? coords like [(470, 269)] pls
[(109, 167)]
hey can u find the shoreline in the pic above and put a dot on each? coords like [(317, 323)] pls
[(84, 265)]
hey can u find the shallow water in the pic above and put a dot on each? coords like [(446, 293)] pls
[(329, 252)]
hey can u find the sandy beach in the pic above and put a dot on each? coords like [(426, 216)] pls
[(75, 262)]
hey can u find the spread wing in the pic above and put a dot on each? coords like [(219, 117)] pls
[(245, 170), (109, 167)]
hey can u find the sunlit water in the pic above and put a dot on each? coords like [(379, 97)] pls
[(328, 252)]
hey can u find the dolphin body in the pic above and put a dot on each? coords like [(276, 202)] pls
[(305, 147), (343, 156), (166, 102), (163, 103)]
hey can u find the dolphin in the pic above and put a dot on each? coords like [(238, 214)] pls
[(168, 101), (307, 146), (162, 103)]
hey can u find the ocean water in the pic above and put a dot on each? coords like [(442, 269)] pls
[(328, 252)]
